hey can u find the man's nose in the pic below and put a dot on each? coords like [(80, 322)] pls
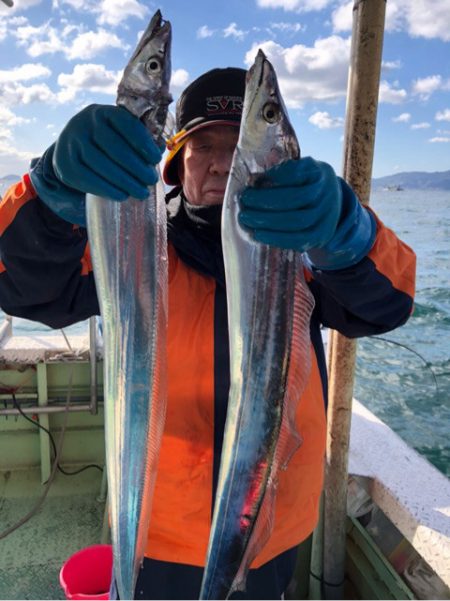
[(220, 162)]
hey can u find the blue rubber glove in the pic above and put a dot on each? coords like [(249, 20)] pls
[(103, 150), (309, 209)]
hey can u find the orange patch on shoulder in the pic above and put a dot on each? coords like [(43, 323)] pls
[(16, 196), (86, 261)]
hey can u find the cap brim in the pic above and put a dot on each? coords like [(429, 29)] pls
[(170, 169)]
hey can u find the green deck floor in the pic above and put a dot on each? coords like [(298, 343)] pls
[(70, 518)]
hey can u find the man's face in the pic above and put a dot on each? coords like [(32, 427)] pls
[(205, 164)]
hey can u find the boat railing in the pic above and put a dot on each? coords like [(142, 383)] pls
[(40, 350)]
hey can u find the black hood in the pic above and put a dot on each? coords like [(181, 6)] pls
[(195, 233)]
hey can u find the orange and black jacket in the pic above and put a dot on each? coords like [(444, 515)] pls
[(46, 275)]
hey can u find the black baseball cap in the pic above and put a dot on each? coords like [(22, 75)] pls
[(214, 98)]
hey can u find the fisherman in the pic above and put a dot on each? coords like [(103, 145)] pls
[(360, 273)]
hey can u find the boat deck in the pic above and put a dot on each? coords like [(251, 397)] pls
[(410, 494), (70, 518)]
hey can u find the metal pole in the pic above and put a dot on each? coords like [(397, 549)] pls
[(46, 409), (363, 87), (46, 464)]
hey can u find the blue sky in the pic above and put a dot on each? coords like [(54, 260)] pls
[(57, 56)]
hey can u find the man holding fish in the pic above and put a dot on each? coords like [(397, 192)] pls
[(359, 273)]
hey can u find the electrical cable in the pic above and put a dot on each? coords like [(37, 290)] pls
[(58, 449), (49, 482), (52, 441), (383, 339)]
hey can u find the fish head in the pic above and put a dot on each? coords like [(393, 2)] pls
[(267, 137), (144, 87)]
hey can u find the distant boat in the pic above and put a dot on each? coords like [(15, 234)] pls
[(395, 188)]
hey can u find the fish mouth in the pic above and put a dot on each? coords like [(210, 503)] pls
[(158, 28), (158, 25), (255, 75)]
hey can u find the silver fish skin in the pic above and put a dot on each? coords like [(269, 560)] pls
[(129, 253), (269, 309)]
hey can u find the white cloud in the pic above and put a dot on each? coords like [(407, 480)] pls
[(205, 32), (19, 6), (391, 65), (15, 94), (295, 5), (307, 73), (402, 118), (323, 120), (233, 31), (423, 125), (426, 86), (84, 78), (179, 78), (88, 78), (391, 94), (342, 17), (113, 12), (90, 44), (284, 27), (439, 140), (9, 119), (428, 19), (109, 12), (82, 45), (44, 39), (9, 24), (24, 73), (443, 115), (12, 154)]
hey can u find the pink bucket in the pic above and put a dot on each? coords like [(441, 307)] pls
[(87, 573)]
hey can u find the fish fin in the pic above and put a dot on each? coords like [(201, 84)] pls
[(298, 373), (159, 382), (289, 438)]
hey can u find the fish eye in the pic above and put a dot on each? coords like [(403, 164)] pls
[(271, 112), (153, 66)]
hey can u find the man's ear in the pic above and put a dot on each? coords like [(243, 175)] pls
[(180, 165)]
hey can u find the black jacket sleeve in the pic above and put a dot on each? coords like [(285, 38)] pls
[(45, 270), (371, 297)]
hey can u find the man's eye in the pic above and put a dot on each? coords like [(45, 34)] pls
[(202, 147)]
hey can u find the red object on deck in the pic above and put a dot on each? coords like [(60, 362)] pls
[(87, 573)]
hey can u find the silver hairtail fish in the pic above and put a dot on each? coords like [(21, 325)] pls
[(129, 253), (269, 309)]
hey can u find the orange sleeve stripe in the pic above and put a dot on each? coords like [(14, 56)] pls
[(394, 259), (86, 261), (16, 196)]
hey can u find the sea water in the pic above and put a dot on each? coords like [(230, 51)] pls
[(406, 386)]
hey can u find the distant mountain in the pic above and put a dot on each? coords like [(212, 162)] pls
[(418, 180), (7, 181)]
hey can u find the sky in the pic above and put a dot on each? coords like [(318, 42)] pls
[(58, 56)]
